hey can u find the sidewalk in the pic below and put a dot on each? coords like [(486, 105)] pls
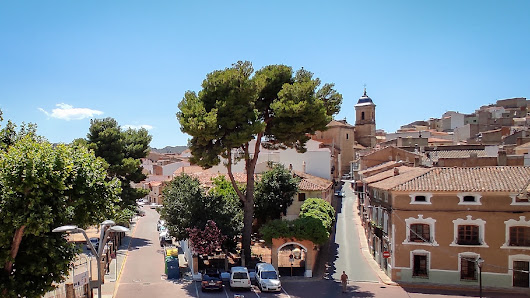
[(116, 266)]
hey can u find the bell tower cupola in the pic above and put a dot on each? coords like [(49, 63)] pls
[(365, 121)]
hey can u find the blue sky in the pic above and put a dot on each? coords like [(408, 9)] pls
[(63, 63)]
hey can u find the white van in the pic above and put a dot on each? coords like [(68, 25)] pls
[(239, 278), (267, 277)]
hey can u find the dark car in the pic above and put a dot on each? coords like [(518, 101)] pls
[(211, 280)]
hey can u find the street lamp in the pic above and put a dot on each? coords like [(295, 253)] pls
[(71, 229), (480, 261)]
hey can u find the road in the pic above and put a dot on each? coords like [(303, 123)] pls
[(345, 252)]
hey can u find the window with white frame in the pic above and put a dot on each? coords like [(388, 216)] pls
[(419, 263), (517, 233), (519, 265), (468, 265), (420, 231), (469, 198), (520, 199), (420, 198), (469, 232)]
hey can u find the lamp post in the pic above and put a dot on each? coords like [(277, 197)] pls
[(480, 261), (103, 240)]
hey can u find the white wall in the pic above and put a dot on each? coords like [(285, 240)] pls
[(317, 160)]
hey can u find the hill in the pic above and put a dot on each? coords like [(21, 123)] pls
[(170, 149)]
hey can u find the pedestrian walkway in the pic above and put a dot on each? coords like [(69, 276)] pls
[(112, 277)]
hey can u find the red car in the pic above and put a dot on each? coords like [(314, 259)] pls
[(211, 280)]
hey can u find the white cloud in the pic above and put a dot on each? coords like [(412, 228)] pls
[(68, 112), (146, 126)]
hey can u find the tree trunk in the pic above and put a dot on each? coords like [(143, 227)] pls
[(17, 238), (248, 217)]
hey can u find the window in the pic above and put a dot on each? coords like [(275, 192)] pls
[(420, 199), (468, 268), (520, 274), (347, 136), (301, 196), (420, 266), (469, 231), (517, 233), (469, 199), (420, 233), (362, 115), (468, 235), (519, 236)]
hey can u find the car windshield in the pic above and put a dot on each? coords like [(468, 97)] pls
[(269, 275), (240, 275)]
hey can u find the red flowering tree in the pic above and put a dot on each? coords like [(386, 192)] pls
[(206, 241)]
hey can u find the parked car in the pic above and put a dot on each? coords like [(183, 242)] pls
[(95, 243), (239, 278), (153, 206), (267, 277), (211, 280)]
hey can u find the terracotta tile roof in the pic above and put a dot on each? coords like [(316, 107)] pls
[(437, 140), (205, 177), (379, 167), (339, 123), (387, 174), (436, 155), (394, 181), (310, 182), (479, 179)]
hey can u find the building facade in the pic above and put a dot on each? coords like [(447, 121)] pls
[(440, 224)]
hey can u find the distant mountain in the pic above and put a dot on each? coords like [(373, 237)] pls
[(170, 149)]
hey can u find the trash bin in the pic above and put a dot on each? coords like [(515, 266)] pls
[(172, 267)]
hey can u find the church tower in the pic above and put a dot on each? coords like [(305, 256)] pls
[(365, 121)]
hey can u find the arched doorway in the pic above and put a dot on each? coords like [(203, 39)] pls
[(292, 257)]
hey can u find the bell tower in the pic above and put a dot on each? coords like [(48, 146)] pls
[(365, 121)]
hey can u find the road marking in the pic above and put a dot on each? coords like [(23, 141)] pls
[(196, 290), (226, 293), (286, 292)]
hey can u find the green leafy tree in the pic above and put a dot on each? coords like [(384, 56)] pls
[(236, 107), (43, 187), (187, 206), (274, 193), (319, 208), (314, 224), (122, 150)]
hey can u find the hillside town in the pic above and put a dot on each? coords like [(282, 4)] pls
[(439, 200)]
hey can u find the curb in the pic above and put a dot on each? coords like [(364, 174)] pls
[(116, 286)]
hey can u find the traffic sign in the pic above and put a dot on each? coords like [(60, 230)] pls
[(386, 254)]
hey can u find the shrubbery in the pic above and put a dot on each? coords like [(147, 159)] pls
[(314, 224)]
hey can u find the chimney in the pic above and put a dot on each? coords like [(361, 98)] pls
[(396, 171), (502, 159), (473, 155), (303, 166)]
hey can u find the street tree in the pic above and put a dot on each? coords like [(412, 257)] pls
[(187, 206), (236, 106), (43, 187), (122, 150), (274, 193), (206, 241)]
